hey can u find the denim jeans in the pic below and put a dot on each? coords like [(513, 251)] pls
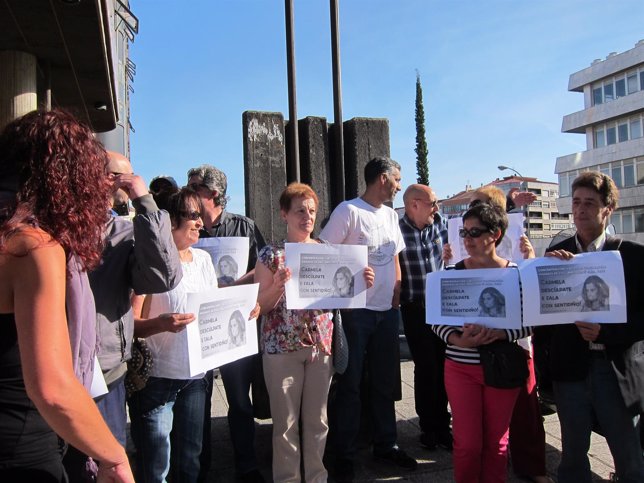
[(112, 408), (373, 336), (161, 407), (577, 402)]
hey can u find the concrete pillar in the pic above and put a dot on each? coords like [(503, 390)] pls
[(18, 85), (364, 139), (264, 170), (315, 163)]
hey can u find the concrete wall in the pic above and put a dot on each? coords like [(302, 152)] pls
[(264, 170), (265, 163)]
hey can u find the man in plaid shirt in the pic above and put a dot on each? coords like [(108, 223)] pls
[(425, 232)]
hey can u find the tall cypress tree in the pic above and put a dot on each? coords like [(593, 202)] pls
[(422, 165)]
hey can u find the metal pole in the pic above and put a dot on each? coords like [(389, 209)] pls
[(337, 100), (293, 146), (527, 210)]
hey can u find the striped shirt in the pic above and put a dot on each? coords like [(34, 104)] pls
[(423, 254), (467, 355)]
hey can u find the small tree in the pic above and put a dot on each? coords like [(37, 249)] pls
[(422, 165)]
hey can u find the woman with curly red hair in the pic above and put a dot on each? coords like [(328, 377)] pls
[(53, 199)]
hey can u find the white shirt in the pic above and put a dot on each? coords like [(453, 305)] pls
[(169, 349), (356, 222)]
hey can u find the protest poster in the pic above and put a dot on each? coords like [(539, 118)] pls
[(221, 332), (488, 297), (229, 256), (588, 288), (509, 248), (325, 276)]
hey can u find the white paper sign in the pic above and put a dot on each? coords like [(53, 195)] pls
[(222, 332), (588, 288), (98, 386), (488, 297), (508, 248), (325, 276), (229, 256)]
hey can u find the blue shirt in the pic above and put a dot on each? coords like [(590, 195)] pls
[(423, 254)]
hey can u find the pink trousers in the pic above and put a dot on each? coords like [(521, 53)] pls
[(480, 424)]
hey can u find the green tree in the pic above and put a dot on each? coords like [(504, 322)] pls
[(422, 165)]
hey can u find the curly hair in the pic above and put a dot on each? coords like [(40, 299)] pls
[(56, 168), (214, 179)]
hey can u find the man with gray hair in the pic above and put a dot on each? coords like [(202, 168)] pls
[(372, 332), (211, 185)]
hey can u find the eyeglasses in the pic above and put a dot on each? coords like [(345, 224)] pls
[(472, 232), (433, 203), (190, 215)]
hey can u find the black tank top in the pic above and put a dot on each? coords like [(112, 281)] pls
[(29, 449)]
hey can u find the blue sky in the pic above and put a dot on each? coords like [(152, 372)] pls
[(494, 75)]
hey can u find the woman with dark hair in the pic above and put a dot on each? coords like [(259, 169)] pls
[(595, 294), (171, 400), (343, 282), (53, 209), (480, 413), (491, 303), (296, 346)]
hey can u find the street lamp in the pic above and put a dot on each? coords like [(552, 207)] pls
[(527, 210)]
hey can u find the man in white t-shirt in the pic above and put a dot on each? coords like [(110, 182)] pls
[(372, 333)]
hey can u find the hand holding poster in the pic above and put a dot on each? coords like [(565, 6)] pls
[(325, 276), (509, 248), (488, 297), (221, 332), (588, 288), (229, 256)]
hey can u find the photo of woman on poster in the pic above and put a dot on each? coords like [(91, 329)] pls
[(236, 330), (343, 283), (226, 270), (491, 303), (595, 294)]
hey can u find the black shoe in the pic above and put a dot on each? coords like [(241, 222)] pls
[(253, 476), (445, 440), (343, 470), (397, 457), (428, 440), (434, 439)]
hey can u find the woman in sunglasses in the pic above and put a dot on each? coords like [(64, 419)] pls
[(480, 413), (172, 400)]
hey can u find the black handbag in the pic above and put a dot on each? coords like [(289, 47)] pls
[(340, 346), (139, 367), (505, 365)]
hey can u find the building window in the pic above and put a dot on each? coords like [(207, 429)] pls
[(629, 173), (620, 88), (608, 92), (622, 132), (616, 174), (639, 221), (640, 171), (597, 96), (600, 141), (636, 128), (545, 193), (545, 204), (642, 80), (611, 135), (631, 81)]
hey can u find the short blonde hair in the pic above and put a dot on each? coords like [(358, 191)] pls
[(494, 195)]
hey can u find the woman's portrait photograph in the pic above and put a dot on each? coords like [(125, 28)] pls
[(594, 294), (491, 303), (343, 282), (226, 270), (236, 330)]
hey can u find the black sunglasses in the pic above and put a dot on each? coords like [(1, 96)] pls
[(472, 232), (190, 215)]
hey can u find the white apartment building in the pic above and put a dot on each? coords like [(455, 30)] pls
[(613, 122)]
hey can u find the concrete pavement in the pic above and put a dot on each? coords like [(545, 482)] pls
[(434, 466)]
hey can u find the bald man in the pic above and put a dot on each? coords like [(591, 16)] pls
[(425, 232), (151, 265)]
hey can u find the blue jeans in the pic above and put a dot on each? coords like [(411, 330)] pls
[(373, 336), (161, 407), (112, 408), (578, 403), (237, 377)]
